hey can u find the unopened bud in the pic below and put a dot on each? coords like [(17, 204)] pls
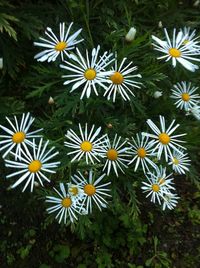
[(130, 35), (157, 94), (160, 24), (196, 3), (109, 125), (1, 63), (86, 173), (51, 101), (36, 184)]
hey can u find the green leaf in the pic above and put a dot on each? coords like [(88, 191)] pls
[(5, 25)]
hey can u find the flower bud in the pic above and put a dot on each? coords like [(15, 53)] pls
[(160, 24), (109, 125), (36, 184), (157, 94), (1, 63), (196, 3), (51, 101), (130, 35)]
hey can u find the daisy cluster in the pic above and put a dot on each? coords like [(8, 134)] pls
[(77, 197), (26, 152), (89, 72), (184, 49), (152, 152), (93, 147), (145, 151), (168, 148)]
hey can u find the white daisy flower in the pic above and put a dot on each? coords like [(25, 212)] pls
[(123, 81), (141, 149), (195, 111), (179, 161), (75, 191), (32, 166), (184, 95), (190, 38), (164, 140), (170, 201), (57, 46), (88, 73), (175, 50), (115, 154), (93, 191), (162, 179), (65, 205), (154, 189), (18, 136), (87, 145)]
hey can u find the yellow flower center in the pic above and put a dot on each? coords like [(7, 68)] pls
[(90, 74), (117, 78), (141, 152), (60, 46), (174, 52), (86, 146), (161, 181), (35, 166), (66, 202), (112, 154), (175, 161), (164, 138), (89, 189), (155, 187), (185, 97), (18, 137), (73, 190)]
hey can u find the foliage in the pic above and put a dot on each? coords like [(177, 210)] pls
[(132, 232)]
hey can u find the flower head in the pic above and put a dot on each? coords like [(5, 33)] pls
[(160, 187), (65, 205), (190, 38), (183, 94), (75, 191), (154, 189), (94, 192), (87, 74), (57, 46), (170, 201), (18, 136), (162, 179), (33, 165), (115, 155), (87, 145), (141, 150), (122, 81), (176, 51), (179, 161), (195, 111), (164, 140)]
